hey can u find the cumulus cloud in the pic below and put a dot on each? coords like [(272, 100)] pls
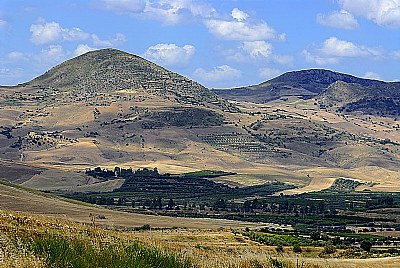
[(250, 51), (82, 49), (382, 12), (315, 59), (177, 11), (239, 15), (45, 33), (372, 75), (170, 12), (170, 54), (257, 49), (218, 74), (338, 19), (240, 27), (333, 49), (51, 55), (268, 73), (117, 40), (341, 48), (52, 32), (240, 30)]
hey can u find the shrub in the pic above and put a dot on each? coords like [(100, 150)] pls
[(366, 245), (275, 263), (279, 249), (297, 249), (329, 249), (315, 236), (256, 264)]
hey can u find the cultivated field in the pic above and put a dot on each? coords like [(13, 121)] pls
[(12, 198)]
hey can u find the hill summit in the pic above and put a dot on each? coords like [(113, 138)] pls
[(109, 70), (304, 84)]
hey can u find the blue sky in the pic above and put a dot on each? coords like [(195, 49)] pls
[(218, 43)]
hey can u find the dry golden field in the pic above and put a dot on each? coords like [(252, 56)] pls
[(219, 248), (12, 198)]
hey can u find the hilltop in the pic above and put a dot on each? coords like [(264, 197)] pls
[(303, 84), (98, 74)]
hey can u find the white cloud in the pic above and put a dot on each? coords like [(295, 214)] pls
[(283, 59), (170, 12), (249, 51), (240, 30), (282, 37), (396, 54), (333, 49), (52, 32), (124, 6), (315, 59), (382, 12), (177, 11), (24, 66), (52, 55), (338, 19), (3, 24), (341, 48), (257, 49), (118, 39), (239, 15), (218, 74), (82, 49), (372, 75), (4, 71), (170, 54), (15, 56), (268, 73)]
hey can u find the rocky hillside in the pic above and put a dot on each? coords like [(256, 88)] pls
[(303, 84), (374, 99), (105, 71)]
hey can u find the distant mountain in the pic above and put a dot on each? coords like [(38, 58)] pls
[(108, 70), (303, 84), (375, 98)]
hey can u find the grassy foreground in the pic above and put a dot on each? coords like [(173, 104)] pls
[(31, 241), (35, 241)]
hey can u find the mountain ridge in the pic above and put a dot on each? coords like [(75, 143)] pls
[(304, 84)]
